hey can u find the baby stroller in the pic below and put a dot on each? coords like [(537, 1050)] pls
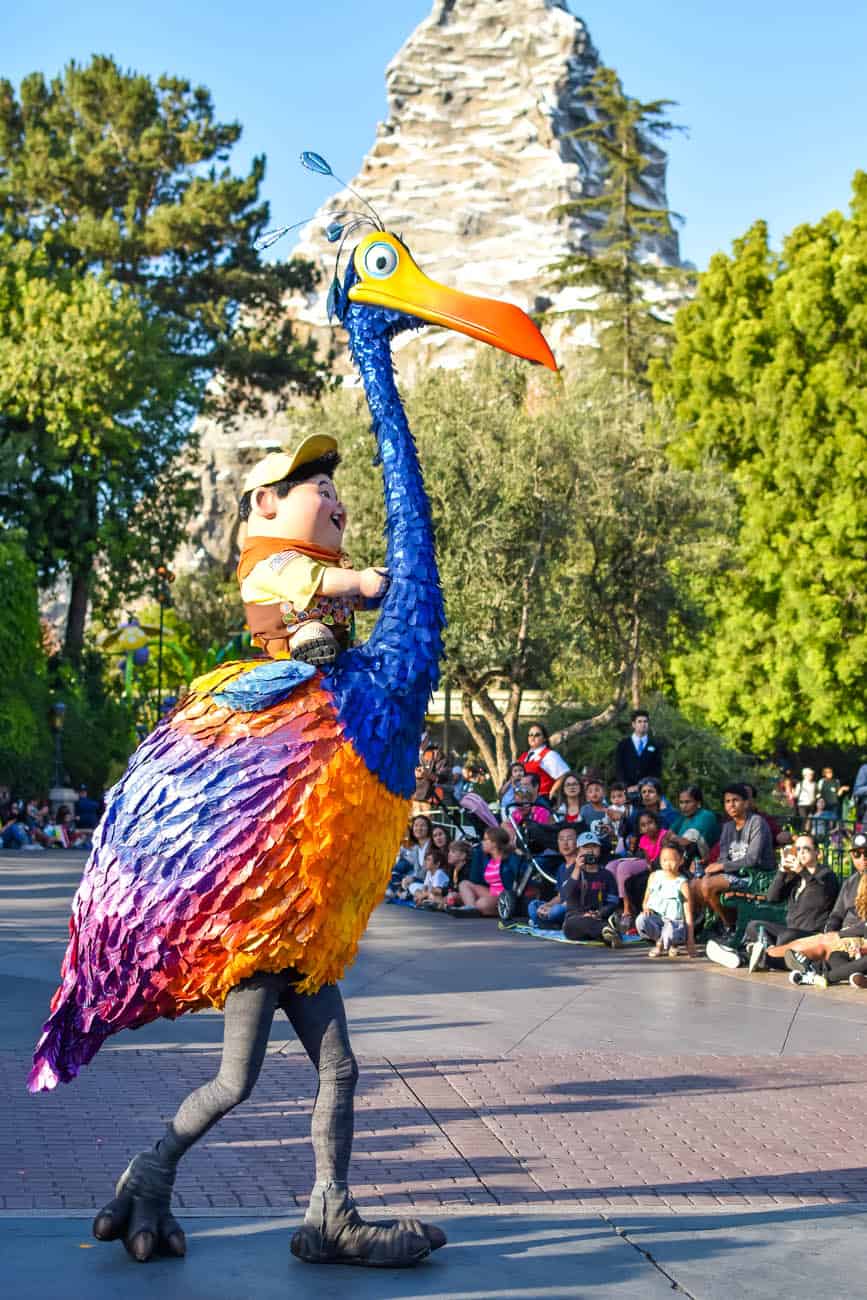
[(537, 845), (474, 817)]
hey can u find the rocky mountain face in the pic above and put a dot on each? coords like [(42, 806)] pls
[(474, 155)]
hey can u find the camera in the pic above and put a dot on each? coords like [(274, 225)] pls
[(591, 859)]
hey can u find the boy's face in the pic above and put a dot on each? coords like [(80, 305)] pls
[(594, 792), (618, 798), (311, 512)]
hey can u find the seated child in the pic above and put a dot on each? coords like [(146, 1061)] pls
[(617, 816), (436, 879), (298, 590), (666, 915), (459, 855)]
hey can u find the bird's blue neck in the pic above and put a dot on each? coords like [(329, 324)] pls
[(382, 688)]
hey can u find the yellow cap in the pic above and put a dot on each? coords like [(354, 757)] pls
[(279, 464)]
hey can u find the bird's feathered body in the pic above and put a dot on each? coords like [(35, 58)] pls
[(236, 841)]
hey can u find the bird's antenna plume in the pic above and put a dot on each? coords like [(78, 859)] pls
[(314, 162)]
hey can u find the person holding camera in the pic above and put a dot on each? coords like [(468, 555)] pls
[(589, 893), (809, 890)]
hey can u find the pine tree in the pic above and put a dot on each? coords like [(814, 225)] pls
[(629, 286)]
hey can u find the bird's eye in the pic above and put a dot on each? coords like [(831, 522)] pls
[(380, 260)]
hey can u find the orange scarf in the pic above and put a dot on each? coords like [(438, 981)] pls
[(260, 548)]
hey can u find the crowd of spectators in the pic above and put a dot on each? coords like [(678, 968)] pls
[(624, 862), (32, 824)]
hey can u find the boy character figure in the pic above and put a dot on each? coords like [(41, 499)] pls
[(299, 591)]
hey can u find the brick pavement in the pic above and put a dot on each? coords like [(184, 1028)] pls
[(592, 1129)]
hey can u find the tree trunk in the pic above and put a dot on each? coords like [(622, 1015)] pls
[(79, 595), (635, 670), (635, 685), (480, 739)]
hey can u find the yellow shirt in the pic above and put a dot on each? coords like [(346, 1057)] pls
[(286, 576)]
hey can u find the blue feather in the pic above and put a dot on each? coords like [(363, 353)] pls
[(265, 685), (314, 162)]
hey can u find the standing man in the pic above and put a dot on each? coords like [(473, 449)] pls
[(639, 754)]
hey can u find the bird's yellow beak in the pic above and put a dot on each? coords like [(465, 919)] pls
[(389, 277)]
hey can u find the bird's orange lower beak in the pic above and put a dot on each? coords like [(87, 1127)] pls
[(501, 324)]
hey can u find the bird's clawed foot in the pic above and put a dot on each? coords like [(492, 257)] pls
[(140, 1213), (334, 1233)]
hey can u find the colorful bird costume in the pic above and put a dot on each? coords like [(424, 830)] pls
[(221, 856)]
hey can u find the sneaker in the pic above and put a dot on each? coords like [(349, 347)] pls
[(858, 981), (797, 962), (812, 977), (611, 935), (673, 951), (657, 951), (758, 950), (723, 954)]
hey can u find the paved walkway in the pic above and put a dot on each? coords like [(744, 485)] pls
[(559, 1108)]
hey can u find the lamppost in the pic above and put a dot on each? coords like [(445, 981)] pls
[(164, 599), (60, 792), (58, 713)]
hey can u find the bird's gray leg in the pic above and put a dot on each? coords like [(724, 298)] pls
[(333, 1231), (140, 1212)]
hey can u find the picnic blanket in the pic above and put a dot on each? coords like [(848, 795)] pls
[(524, 927)]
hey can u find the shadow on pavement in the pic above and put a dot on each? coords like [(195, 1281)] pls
[(488, 1257)]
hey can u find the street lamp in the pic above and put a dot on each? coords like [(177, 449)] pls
[(60, 793), (58, 713), (164, 599)]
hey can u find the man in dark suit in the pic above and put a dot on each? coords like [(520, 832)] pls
[(639, 754)]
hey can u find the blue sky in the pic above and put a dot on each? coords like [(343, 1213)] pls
[(774, 94)]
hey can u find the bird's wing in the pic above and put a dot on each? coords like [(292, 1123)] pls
[(201, 870)]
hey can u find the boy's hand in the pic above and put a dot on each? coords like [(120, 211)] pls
[(373, 582)]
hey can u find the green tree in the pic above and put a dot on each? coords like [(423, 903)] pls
[(560, 527), (94, 415), (629, 286), (25, 746), (130, 277), (767, 375), (98, 730)]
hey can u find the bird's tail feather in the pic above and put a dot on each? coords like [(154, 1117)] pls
[(62, 1050)]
